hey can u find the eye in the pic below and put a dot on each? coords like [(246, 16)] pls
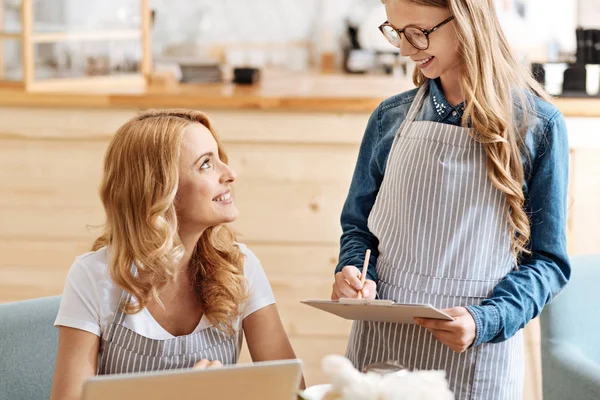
[(206, 165)]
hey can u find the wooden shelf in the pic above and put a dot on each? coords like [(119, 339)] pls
[(33, 33), (12, 36), (86, 36)]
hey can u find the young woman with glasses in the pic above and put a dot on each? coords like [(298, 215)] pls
[(460, 193)]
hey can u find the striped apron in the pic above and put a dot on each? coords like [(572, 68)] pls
[(124, 351), (443, 240)]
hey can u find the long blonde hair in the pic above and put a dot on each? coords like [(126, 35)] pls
[(491, 77), (141, 178)]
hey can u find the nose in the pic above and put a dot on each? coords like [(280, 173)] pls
[(228, 175), (407, 49)]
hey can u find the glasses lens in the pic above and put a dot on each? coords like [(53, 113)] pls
[(391, 35), (416, 38)]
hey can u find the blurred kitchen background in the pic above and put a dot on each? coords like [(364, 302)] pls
[(329, 35), (289, 85)]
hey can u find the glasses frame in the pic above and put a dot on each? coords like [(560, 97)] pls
[(426, 32)]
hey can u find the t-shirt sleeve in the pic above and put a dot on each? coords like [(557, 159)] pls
[(80, 304), (260, 293)]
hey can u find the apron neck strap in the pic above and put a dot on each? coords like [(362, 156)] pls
[(415, 106), (124, 299)]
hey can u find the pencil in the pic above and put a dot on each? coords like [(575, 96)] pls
[(363, 276)]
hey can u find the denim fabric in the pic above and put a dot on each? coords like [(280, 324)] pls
[(523, 293)]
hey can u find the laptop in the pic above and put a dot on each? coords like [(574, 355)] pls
[(268, 380)]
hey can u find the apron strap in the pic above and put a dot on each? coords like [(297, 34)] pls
[(414, 108), (119, 316)]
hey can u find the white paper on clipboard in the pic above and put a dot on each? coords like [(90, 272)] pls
[(378, 310)]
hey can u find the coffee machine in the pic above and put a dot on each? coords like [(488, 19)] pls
[(580, 78), (575, 82)]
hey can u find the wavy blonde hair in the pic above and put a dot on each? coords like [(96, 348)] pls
[(141, 178), (493, 83)]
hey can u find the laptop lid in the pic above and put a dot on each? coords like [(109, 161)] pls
[(269, 380)]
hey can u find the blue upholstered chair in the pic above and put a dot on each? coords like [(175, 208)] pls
[(571, 335), (28, 344)]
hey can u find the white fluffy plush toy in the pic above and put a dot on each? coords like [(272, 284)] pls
[(349, 384)]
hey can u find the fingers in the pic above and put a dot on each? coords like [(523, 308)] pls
[(338, 294), (459, 334), (438, 324), (203, 364), (455, 311), (444, 336), (352, 275), (335, 292), (347, 284), (370, 290), (458, 343), (342, 286), (342, 289)]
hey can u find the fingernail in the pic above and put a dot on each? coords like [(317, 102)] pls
[(365, 292)]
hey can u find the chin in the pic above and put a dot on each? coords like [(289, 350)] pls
[(229, 220), (223, 215), (230, 217), (431, 74)]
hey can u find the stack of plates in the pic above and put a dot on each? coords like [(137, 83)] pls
[(191, 70), (200, 73)]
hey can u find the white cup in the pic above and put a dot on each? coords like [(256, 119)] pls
[(555, 74), (593, 79)]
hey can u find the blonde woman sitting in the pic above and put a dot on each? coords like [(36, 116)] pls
[(166, 286)]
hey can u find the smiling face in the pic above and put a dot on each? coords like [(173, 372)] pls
[(204, 197), (441, 59)]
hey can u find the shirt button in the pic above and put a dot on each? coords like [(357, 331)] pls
[(454, 113)]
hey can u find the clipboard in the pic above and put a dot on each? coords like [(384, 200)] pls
[(378, 310)]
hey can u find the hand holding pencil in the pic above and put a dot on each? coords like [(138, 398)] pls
[(353, 283), (363, 275)]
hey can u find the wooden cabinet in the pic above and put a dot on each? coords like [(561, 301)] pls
[(43, 46)]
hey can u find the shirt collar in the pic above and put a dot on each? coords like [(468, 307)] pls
[(440, 105)]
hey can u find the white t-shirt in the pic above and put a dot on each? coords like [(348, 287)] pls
[(90, 298)]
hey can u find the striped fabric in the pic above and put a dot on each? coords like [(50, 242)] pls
[(443, 239), (124, 351)]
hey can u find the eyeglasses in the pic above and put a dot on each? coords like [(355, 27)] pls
[(417, 37)]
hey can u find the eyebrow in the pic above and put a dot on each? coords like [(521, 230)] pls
[(418, 25), (208, 153)]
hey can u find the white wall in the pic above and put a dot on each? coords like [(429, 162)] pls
[(589, 13), (545, 21)]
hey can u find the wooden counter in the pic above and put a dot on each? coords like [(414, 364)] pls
[(293, 166), (277, 91)]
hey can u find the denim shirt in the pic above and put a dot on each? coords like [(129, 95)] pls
[(521, 295)]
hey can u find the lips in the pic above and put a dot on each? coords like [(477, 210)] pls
[(423, 61), (225, 196)]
